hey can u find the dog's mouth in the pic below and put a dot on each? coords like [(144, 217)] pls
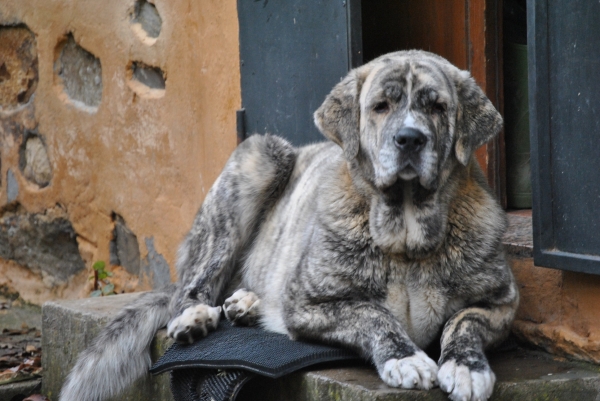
[(394, 193), (419, 169), (407, 172), (393, 182), (406, 176), (394, 170)]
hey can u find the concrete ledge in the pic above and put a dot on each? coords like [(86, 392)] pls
[(522, 375), (68, 327), (518, 239)]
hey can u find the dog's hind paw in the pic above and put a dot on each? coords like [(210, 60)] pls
[(414, 372), (242, 308), (194, 322), (464, 384)]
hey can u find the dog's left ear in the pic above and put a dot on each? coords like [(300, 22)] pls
[(338, 118), (478, 121)]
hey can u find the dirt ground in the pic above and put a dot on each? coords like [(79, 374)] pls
[(20, 340)]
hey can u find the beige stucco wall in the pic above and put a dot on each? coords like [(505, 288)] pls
[(150, 160)]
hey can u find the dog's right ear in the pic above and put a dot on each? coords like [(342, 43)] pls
[(338, 118), (478, 120)]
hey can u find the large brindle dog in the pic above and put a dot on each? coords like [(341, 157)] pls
[(379, 240)]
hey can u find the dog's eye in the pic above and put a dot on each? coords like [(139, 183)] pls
[(438, 108), (381, 107)]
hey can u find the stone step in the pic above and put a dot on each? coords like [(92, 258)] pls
[(521, 375), (69, 326)]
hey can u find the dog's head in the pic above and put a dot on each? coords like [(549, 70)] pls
[(408, 116)]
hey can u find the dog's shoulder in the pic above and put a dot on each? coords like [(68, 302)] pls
[(476, 220)]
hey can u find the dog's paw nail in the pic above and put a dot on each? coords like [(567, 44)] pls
[(193, 323), (241, 308), (464, 384), (414, 371)]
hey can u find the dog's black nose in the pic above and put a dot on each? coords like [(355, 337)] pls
[(410, 140)]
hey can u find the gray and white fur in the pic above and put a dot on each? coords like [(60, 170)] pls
[(381, 240)]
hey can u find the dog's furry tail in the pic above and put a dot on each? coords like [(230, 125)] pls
[(120, 353)]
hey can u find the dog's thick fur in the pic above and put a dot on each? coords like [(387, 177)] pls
[(363, 241)]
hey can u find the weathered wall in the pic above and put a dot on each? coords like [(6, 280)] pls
[(559, 310), (115, 118)]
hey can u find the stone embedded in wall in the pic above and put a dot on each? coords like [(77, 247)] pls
[(152, 77), (80, 74), (155, 266), (45, 242), (33, 160), (146, 81), (124, 247), (18, 65), (12, 186), (145, 13), (125, 252), (146, 22)]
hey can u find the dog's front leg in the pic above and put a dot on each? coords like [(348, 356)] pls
[(464, 370), (370, 330), (251, 182)]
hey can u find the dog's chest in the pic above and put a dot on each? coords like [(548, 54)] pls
[(421, 308)]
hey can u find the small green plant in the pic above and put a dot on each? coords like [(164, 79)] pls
[(102, 286)]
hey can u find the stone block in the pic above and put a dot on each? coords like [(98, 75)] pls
[(521, 375), (152, 77), (146, 15), (146, 81), (155, 267), (68, 327), (33, 160), (18, 66), (80, 73), (12, 186), (45, 243), (125, 250)]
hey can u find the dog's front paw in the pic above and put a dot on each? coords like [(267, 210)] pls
[(414, 372), (464, 384), (194, 322), (241, 308)]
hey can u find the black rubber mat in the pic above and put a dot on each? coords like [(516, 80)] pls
[(249, 348)]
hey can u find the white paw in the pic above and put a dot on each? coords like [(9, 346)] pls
[(463, 384), (417, 371), (195, 322), (242, 307)]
